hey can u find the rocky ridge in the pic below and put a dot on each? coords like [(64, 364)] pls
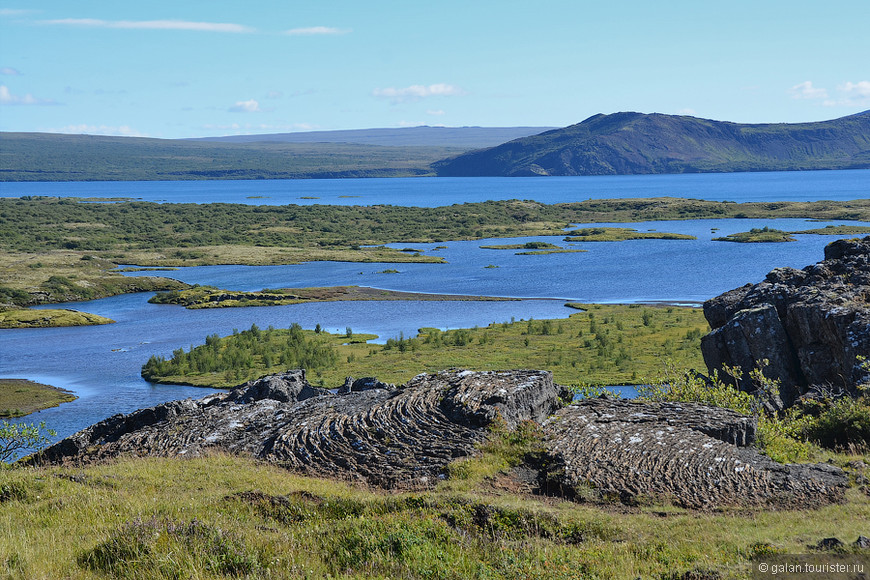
[(404, 437), (811, 325)]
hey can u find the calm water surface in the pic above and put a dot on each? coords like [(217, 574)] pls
[(101, 364), (438, 191)]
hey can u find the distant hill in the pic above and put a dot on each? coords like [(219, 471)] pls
[(53, 157), (464, 137), (318, 154), (636, 143)]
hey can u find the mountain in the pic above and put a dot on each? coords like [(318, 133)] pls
[(464, 137), (634, 143)]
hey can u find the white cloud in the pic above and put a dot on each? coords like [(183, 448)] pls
[(8, 70), (260, 127), (689, 112), (852, 95), (250, 106), (417, 92), (7, 98), (806, 90), (152, 25), (315, 31), (85, 129), (434, 112), (15, 12)]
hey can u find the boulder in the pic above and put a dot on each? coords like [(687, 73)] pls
[(811, 325)]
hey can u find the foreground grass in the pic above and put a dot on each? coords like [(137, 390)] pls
[(605, 344), (223, 516), (19, 397)]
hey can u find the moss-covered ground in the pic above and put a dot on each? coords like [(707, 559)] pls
[(19, 397)]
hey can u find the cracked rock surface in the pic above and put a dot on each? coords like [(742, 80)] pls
[(404, 437), (689, 454), (811, 324)]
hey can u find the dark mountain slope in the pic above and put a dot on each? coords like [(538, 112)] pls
[(632, 143)]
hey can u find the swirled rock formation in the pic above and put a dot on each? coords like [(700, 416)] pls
[(689, 454), (393, 437), (811, 325), (404, 437)]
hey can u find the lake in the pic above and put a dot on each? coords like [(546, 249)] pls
[(101, 364), (438, 191)]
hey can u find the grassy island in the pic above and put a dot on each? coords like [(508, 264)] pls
[(621, 235), (211, 297), (842, 230), (757, 235), (32, 318), (19, 397), (57, 250), (605, 344)]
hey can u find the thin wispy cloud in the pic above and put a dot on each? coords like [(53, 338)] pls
[(16, 12), (316, 31), (7, 98), (852, 95), (85, 129), (152, 25), (9, 71), (417, 92), (249, 106), (806, 90)]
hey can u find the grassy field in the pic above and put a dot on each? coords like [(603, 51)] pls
[(19, 397), (222, 516), (605, 344)]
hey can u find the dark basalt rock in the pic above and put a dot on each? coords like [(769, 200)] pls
[(692, 455), (404, 437), (811, 325)]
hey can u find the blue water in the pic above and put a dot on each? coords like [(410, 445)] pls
[(438, 191), (101, 364)]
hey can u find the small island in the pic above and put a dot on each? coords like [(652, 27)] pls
[(20, 397), (605, 234), (758, 235), (212, 297), (30, 318), (841, 230)]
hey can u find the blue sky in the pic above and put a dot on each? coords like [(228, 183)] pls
[(207, 67)]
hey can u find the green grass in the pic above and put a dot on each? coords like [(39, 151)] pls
[(30, 318), (526, 246), (621, 235), (841, 230), (55, 250), (19, 397), (606, 344), (757, 235), (212, 297), (222, 516)]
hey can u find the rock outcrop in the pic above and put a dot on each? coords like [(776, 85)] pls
[(393, 437), (811, 324), (404, 437), (689, 454)]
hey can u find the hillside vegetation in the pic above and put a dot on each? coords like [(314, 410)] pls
[(634, 143), (52, 157)]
